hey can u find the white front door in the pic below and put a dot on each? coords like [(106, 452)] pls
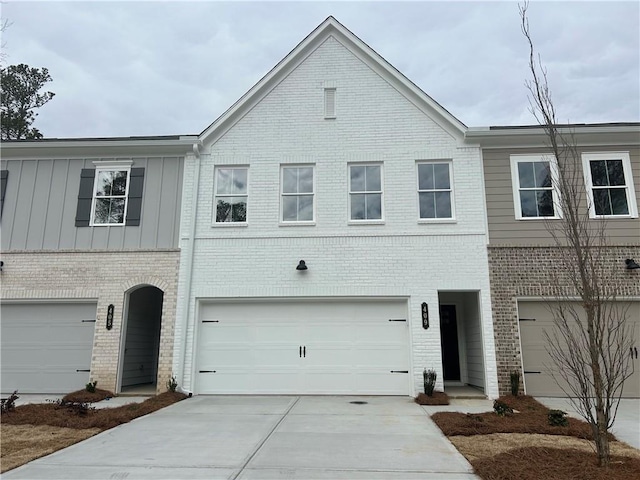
[(304, 347)]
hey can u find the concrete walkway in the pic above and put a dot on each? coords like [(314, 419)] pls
[(253, 437)]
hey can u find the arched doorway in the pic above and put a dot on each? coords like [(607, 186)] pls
[(142, 339)]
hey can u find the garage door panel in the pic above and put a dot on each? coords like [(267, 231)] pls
[(541, 375), (339, 341)]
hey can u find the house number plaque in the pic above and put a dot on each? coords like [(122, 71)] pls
[(110, 317), (425, 315)]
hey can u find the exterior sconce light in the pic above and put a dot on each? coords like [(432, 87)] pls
[(303, 266), (1, 265), (631, 264)]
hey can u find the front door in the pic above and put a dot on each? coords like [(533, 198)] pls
[(449, 343)]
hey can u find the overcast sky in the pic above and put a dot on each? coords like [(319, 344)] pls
[(149, 68)]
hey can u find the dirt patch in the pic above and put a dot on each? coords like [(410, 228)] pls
[(438, 398), (23, 443), (535, 463), (485, 446)]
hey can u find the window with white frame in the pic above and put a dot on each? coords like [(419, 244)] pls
[(609, 185), (435, 191), (231, 194), (110, 190), (365, 192), (535, 192), (297, 192)]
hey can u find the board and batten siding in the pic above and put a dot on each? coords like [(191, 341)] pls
[(504, 229), (42, 196)]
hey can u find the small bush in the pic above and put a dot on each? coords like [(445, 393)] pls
[(515, 382), (172, 384), (79, 408), (91, 387), (9, 404), (502, 408), (429, 377), (558, 418)]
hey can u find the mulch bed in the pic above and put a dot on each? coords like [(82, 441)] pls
[(438, 398), (59, 416), (83, 396), (532, 418), (535, 463)]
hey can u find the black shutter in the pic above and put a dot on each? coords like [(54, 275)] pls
[(85, 196), (134, 206), (4, 175)]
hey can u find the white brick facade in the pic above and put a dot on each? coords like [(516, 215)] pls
[(400, 257)]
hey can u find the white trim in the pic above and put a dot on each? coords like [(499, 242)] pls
[(111, 167), (452, 218), (281, 220), (365, 221), (515, 184), (628, 179)]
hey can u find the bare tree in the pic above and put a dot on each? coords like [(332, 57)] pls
[(591, 338)]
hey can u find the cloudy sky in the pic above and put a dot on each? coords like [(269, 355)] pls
[(151, 68)]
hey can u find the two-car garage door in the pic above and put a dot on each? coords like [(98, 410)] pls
[(46, 347), (535, 318), (303, 347)]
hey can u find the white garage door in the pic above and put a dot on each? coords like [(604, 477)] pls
[(46, 347), (303, 347), (535, 318)]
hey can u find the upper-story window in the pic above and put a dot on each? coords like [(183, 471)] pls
[(435, 190), (365, 192), (297, 193), (110, 196), (609, 185), (535, 192), (231, 194)]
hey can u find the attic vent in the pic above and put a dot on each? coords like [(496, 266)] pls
[(329, 103)]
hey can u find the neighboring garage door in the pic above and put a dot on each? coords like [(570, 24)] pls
[(535, 318), (46, 347), (303, 347)]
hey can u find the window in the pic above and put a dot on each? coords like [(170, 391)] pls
[(535, 193), (609, 185), (329, 103), (365, 192), (297, 194), (110, 196), (231, 194), (434, 190)]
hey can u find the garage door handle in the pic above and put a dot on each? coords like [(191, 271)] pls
[(397, 319), (635, 349), (531, 371), (89, 321), (399, 371), (300, 351), (83, 370), (206, 371), (304, 351)]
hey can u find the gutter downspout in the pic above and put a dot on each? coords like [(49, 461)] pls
[(197, 148)]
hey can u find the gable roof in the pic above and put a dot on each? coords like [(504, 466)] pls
[(331, 27)]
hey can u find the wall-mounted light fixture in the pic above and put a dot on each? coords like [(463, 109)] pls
[(301, 265), (631, 264), (1, 265)]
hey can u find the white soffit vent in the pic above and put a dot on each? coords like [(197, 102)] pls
[(330, 102)]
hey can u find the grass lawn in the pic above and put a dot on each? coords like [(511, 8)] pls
[(524, 446), (35, 430)]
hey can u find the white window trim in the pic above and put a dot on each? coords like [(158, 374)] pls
[(101, 167), (628, 178), (515, 184), (215, 195), (377, 221), (295, 223), (452, 218)]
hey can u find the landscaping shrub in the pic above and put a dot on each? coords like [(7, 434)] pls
[(91, 386), (9, 404), (558, 418), (172, 384), (502, 408), (429, 377)]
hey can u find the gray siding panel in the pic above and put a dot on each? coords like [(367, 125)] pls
[(504, 229), (41, 201)]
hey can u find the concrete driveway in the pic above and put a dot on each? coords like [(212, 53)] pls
[(254, 437)]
